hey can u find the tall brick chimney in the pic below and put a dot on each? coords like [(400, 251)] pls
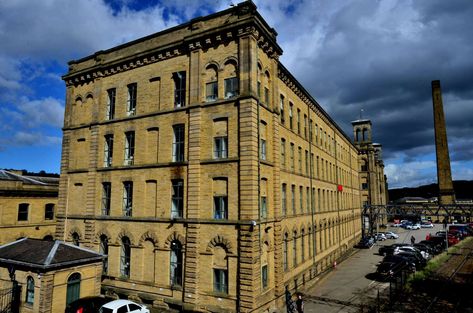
[(444, 173)]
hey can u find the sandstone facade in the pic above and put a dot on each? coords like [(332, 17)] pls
[(206, 172)]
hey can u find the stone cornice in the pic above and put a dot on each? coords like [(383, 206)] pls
[(252, 25)]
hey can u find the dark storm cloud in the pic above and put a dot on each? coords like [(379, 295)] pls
[(381, 56)]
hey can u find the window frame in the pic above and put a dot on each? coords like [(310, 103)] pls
[(127, 207), (177, 198), (220, 280), (129, 148), (220, 147), (111, 103), (49, 211), (30, 286), (23, 212), (231, 87), (178, 143), (132, 99), (179, 79)]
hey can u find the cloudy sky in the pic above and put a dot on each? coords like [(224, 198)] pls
[(375, 55)]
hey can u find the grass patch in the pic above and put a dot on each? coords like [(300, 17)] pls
[(436, 262)]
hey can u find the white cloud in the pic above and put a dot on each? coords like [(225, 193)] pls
[(410, 173)]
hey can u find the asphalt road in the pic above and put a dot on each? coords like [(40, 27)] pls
[(351, 284)]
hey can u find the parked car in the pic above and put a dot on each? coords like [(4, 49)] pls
[(427, 225), (436, 247), (392, 268), (389, 250), (396, 225), (425, 248), (380, 236), (414, 258), (365, 242), (87, 304), (123, 306), (415, 226), (410, 265), (407, 225), (423, 254), (391, 235)]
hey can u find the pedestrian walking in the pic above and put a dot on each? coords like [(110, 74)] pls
[(290, 305), (300, 303), (413, 240)]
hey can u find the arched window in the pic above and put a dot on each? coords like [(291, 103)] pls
[(125, 257), (176, 263), (73, 288), (103, 249), (285, 246), (75, 239), (211, 83), (29, 290), (294, 249)]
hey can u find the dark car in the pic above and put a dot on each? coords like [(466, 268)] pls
[(410, 265), (87, 304), (413, 257), (436, 247), (392, 268), (425, 248), (389, 250), (365, 242)]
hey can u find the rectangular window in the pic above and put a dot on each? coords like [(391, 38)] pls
[(220, 147), (220, 208), (220, 281), (106, 196), (127, 198), (131, 101), (311, 129), (262, 149), (178, 143), (298, 121), (129, 148), (264, 208), (305, 126), (281, 108), (258, 87), (108, 151), (364, 186), (264, 276), (177, 200), (299, 150), (283, 199), (111, 93), (211, 91), (307, 199), (179, 89), (307, 162), (266, 95), (231, 87), (283, 152), (301, 199), (49, 211), (291, 120), (293, 199), (292, 156), (23, 209)]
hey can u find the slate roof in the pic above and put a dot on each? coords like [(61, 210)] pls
[(30, 180), (46, 254)]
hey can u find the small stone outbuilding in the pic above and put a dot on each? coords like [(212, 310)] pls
[(51, 274)]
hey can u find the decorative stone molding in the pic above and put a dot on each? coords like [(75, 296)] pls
[(220, 241), (172, 237), (149, 236)]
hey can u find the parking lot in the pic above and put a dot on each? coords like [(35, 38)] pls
[(351, 283)]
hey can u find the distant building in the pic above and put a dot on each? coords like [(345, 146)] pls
[(27, 205), (374, 189), (51, 274), (204, 170)]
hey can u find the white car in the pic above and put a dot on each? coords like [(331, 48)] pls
[(123, 306), (391, 235), (415, 226), (424, 254), (427, 225)]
